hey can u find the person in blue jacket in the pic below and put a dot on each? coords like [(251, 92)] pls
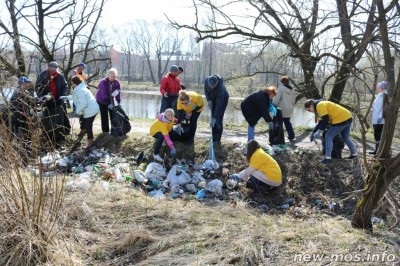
[(217, 99)]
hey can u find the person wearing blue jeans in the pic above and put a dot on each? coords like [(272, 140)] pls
[(340, 120)]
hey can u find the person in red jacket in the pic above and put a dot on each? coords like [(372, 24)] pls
[(169, 88)]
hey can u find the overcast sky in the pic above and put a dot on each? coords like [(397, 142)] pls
[(119, 12)]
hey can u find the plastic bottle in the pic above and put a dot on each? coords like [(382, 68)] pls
[(118, 175)]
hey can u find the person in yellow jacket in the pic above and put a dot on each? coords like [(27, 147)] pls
[(339, 119), (263, 171), (160, 130), (189, 106)]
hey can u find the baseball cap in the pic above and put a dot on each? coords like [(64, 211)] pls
[(23, 79)]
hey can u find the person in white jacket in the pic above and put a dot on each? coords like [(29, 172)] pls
[(377, 113), (86, 108), (285, 100)]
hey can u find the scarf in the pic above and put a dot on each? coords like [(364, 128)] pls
[(53, 87)]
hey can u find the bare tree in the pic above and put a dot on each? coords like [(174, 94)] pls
[(385, 168), (300, 26), (158, 41), (60, 30)]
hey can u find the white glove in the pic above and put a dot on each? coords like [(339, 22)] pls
[(317, 135), (166, 94), (115, 93), (188, 115)]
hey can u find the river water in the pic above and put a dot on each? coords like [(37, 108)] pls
[(147, 105)]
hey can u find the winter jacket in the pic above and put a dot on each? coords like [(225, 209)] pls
[(42, 88), (219, 95), (285, 99), (84, 101), (170, 84), (255, 106), (105, 89), (377, 108)]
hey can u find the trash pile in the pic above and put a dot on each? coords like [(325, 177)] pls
[(184, 179)]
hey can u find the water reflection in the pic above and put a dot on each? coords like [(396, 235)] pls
[(147, 105)]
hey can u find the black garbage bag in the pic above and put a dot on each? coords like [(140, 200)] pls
[(56, 124), (276, 133), (120, 124), (185, 135), (338, 145)]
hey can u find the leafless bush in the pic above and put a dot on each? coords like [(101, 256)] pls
[(30, 200)]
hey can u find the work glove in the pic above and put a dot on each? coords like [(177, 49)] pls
[(317, 135), (166, 94), (75, 115), (173, 152), (110, 106), (188, 115), (312, 137), (179, 130), (115, 93), (69, 97), (209, 103), (212, 123), (236, 178)]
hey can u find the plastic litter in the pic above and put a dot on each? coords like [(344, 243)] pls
[(81, 184), (231, 184), (157, 194), (177, 176), (283, 207), (234, 195), (215, 186), (201, 194), (105, 185), (155, 171), (197, 178), (118, 175), (175, 189), (140, 176), (264, 207), (191, 188)]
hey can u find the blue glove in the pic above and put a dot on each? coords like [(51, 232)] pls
[(110, 106), (212, 123), (312, 137), (236, 178), (173, 152), (179, 130), (317, 135)]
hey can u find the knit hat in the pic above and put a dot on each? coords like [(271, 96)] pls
[(212, 82), (180, 68), (53, 64), (23, 79), (174, 68), (382, 85)]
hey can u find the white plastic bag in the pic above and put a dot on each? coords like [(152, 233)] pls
[(197, 177), (177, 176), (81, 184), (158, 194), (215, 186), (139, 176), (155, 171)]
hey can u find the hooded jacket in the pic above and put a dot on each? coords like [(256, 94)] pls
[(285, 99), (163, 126), (218, 96), (377, 109), (84, 101)]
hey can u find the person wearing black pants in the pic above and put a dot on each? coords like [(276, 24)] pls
[(86, 108), (217, 99), (378, 119), (109, 92)]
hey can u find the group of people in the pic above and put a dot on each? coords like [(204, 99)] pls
[(178, 105)]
